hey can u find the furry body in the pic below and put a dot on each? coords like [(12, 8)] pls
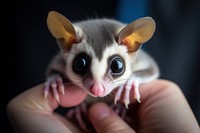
[(100, 56)]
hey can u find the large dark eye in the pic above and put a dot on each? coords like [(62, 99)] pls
[(81, 63), (117, 66)]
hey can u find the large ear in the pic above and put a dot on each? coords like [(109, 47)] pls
[(137, 33), (62, 29)]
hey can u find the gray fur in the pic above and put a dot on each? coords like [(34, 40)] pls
[(100, 33), (146, 73)]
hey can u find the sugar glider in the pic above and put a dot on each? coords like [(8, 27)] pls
[(100, 56)]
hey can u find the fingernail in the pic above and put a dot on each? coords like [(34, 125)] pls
[(100, 111)]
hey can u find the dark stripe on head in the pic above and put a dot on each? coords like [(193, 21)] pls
[(99, 34)]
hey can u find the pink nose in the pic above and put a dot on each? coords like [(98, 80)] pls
[(97, 89)]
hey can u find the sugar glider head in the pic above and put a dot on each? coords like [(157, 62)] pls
[(99, 52)]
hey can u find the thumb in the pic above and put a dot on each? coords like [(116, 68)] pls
[(105, 120)]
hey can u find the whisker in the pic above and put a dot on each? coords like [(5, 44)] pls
[(108, 76), (123, 84), (107, 80), (119, 80)]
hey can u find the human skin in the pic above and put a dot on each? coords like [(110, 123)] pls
[(163, 109)]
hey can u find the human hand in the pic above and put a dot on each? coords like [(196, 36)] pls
[(163, 109), (30, 112)]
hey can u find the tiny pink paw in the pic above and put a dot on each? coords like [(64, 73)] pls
[(55, 83), (130, 84)]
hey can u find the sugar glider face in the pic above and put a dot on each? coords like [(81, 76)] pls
[(99, 52), (98, 77)]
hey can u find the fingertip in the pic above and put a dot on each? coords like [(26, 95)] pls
[(72, 97), (105, 120), (99, 111)]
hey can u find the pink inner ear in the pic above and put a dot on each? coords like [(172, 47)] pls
[(125, 41), (73, 40), (97, 89)]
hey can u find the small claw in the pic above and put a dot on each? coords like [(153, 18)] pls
[(62, 89), (136, 91), (46, 89), (118, 94), (126, 102), (138, 99), (46, 94), (57, 98), (127, 94), (55, 92), (60, 84), (116, 99)]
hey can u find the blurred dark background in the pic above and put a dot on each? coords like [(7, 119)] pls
[(175, 44)]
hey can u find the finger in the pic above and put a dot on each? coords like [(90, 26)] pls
[(34, 98), (32, 112), (105, 120), (73, 96), (74, 128), (164, 105)]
